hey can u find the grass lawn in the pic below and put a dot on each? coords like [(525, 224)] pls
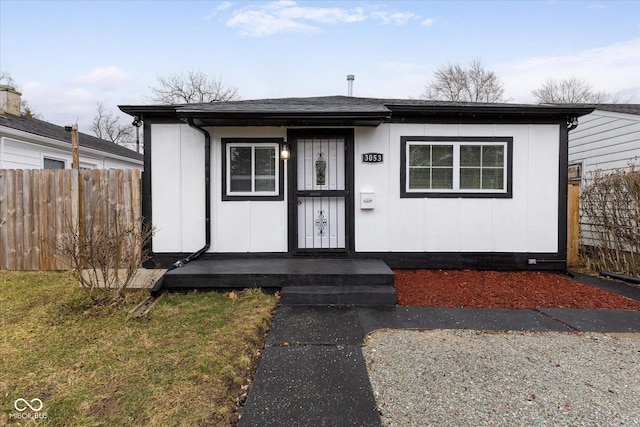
[(186, 363)]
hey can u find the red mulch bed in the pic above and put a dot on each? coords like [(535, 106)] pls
[(491, 289)]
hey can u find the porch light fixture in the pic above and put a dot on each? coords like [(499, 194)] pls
[(285, 154)]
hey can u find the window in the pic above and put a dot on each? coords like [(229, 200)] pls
[(456, 167), (53, 163), (575, 172), (252, 169), (430, 167), (482, 167)]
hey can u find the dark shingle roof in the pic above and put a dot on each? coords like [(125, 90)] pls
[(615, 108), (292, 105), (343, 110), (619, 108), (49, 130), (326, 104)]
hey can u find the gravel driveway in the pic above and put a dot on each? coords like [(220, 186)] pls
[(477, 378)]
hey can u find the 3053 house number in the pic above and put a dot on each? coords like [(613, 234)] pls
[(372, 158)]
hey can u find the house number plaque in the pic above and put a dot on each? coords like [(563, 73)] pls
[(372, 158)]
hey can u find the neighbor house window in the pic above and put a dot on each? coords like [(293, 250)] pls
[(252, 169), (456, 167), (53, 163)]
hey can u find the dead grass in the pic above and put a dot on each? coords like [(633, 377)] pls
[(186, 363)]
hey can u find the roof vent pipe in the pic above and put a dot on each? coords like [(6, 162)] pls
[(350, 79)]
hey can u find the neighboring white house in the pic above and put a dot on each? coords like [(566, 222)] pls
[(419, 184), (608, 138), (29, 143)]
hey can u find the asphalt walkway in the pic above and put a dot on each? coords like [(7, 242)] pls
[(313, 373)]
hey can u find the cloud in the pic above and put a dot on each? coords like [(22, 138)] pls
[(288, 17), (110, 77), (58, 106), (256, 23), (428, 22), (613, 68), (220, 8), (62, 106), (333, 15), (397, 18)]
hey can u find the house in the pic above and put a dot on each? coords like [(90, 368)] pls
[(417, 184), (29, 143), (608, 138)]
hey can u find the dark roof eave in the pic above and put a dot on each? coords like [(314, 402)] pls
[(140, 110), (283, 119), (484, 110)]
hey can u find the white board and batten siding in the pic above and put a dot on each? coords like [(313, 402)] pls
[(247, 225), (177, 188), (527, 222), (178, 205), (605, 140)]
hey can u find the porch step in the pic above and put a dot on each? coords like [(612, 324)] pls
[(278, 273), (362, 295)]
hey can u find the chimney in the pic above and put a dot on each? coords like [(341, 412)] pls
[(9, 100), (350, 79)]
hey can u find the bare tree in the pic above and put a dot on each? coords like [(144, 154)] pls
[(571, 91), (105, 126), (453, 82), (26, 110), (6, 79), (106, 259), (195, 87)]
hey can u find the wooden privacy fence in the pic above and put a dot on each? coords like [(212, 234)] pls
[(38, 206)]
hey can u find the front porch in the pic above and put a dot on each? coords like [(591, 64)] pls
[(300, 280)]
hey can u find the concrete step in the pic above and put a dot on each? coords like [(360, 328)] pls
[(360, 295)]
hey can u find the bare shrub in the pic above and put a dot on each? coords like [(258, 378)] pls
[(106, 255), (610, 221)]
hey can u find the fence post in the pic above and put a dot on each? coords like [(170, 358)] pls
[(573, 226)]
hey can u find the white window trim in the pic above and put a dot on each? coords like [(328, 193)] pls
[(456, 167), (253, 146)]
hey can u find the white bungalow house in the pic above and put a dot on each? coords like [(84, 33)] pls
[(418, 184), (29, 143), (608, 138)]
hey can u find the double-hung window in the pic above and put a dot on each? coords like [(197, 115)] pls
[(252, 169), (456, 166)]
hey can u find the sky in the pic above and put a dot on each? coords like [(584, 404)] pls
[(66, 56)]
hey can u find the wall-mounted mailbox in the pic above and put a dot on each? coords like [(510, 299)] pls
[(367, 200)]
